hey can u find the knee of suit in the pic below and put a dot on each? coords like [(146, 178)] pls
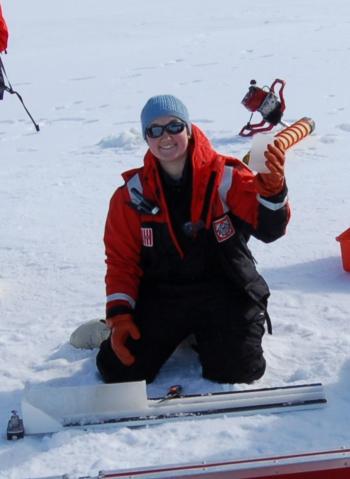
[(113, 370), (247, 372)]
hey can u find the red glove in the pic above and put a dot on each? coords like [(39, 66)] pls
[(123, 327), (269, 184)]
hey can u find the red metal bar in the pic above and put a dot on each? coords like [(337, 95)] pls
[(315, 465)]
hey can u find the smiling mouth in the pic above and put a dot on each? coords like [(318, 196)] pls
[(167, 147)]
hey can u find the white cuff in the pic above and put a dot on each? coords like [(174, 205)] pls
[(270, 205), (121, 296)]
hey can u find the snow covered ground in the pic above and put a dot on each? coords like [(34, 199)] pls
[(85, 69)]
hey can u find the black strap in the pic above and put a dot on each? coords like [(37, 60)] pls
[(207, 197), (268, 322), (10, 90), (2, 85)]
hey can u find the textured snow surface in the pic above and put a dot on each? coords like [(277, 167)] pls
[(85, 69)]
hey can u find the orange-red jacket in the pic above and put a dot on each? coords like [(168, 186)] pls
[(223, 190), (3, 33)]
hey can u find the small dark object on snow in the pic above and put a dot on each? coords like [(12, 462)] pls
[(15, 429), (174, 391)]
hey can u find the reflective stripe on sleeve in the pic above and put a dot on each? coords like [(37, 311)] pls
[(270, 205), (134, 182), (225, 185), (122, 297)]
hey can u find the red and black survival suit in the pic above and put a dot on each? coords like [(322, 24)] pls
[(178, 260)]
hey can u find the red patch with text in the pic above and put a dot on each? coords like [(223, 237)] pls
[(147, 237), (223, 229)]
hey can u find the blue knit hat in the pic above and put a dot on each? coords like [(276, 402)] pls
[(163, 105)]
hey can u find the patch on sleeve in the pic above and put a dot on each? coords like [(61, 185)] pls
[(147, 237), (223, 229)]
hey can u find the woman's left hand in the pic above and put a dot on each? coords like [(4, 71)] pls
[(269, 184)]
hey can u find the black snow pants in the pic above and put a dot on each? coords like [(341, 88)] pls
[(228, 327)]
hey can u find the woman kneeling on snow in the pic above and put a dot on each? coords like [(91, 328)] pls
[(177, 257)]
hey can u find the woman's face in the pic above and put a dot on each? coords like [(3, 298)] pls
[(169, 147)]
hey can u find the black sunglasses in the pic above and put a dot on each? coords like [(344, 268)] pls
[(173, 128)]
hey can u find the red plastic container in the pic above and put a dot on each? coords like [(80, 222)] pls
[(344, 240)]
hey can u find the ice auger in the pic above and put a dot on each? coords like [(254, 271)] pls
[(267, 103)]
